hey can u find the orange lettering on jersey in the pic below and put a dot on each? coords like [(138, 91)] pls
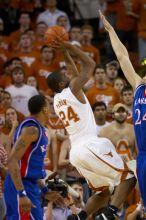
[(71, 115), (61, 103)]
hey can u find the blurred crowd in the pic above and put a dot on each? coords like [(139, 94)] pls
[(25, 63)]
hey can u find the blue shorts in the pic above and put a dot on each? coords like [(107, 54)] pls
[(141, 175), (12, 200)]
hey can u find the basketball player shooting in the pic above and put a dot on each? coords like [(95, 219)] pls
[(95, 158)]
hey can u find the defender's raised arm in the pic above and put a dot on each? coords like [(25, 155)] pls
[(122, 54)]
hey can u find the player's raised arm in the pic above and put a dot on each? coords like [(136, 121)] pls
[(87, 67), (87, 64), (122, 54)]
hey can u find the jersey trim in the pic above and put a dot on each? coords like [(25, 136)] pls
[(138, 88)]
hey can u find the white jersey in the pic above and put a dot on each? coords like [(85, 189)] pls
[(95, 158), (77, 117)]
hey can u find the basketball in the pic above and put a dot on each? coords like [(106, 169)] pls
[(55, 31)]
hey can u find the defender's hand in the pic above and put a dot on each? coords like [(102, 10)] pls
[(25, 204), (105, 22)]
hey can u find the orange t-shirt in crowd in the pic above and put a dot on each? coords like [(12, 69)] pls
[(38, 44), (4, 43), (27, 57), (5, 80), (41, 71), (4, 54), (124, 22), (92, 51), (56, 124), (26, 6), (14, 39), (139, 7), (111, 7), (108, 95), (14, 3)]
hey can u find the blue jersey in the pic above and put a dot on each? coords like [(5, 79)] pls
[(32, 162), (139, 116)]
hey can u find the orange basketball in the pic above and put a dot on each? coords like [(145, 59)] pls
[(55, 31)]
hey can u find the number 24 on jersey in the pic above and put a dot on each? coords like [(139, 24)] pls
[(71, 115)]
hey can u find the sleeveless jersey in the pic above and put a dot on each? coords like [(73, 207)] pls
[(77, 117), (139, 116), (32, 162)]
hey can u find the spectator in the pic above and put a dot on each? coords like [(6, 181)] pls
[(110, 10), (31, 34), (53, 146), (54, 212), (127, 96), (63, 21), (20, 92), (6, 79), (24, 21), (3, 39), (78, 187), (121, 134), (119, 84), (101, 91), (4, 53), (17, 62), (7, 102), (44, 66), (41, 28), (100, 113), (112, 71), (50, 15), (92, 51), (11, 122), (139, 8), (75, 34), (126, 26), (71, 174), (31, 81), (55, 124), (26, 52)]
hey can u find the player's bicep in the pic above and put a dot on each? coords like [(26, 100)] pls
[(28, 135)]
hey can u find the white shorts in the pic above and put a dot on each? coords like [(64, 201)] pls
[(97, 160)]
